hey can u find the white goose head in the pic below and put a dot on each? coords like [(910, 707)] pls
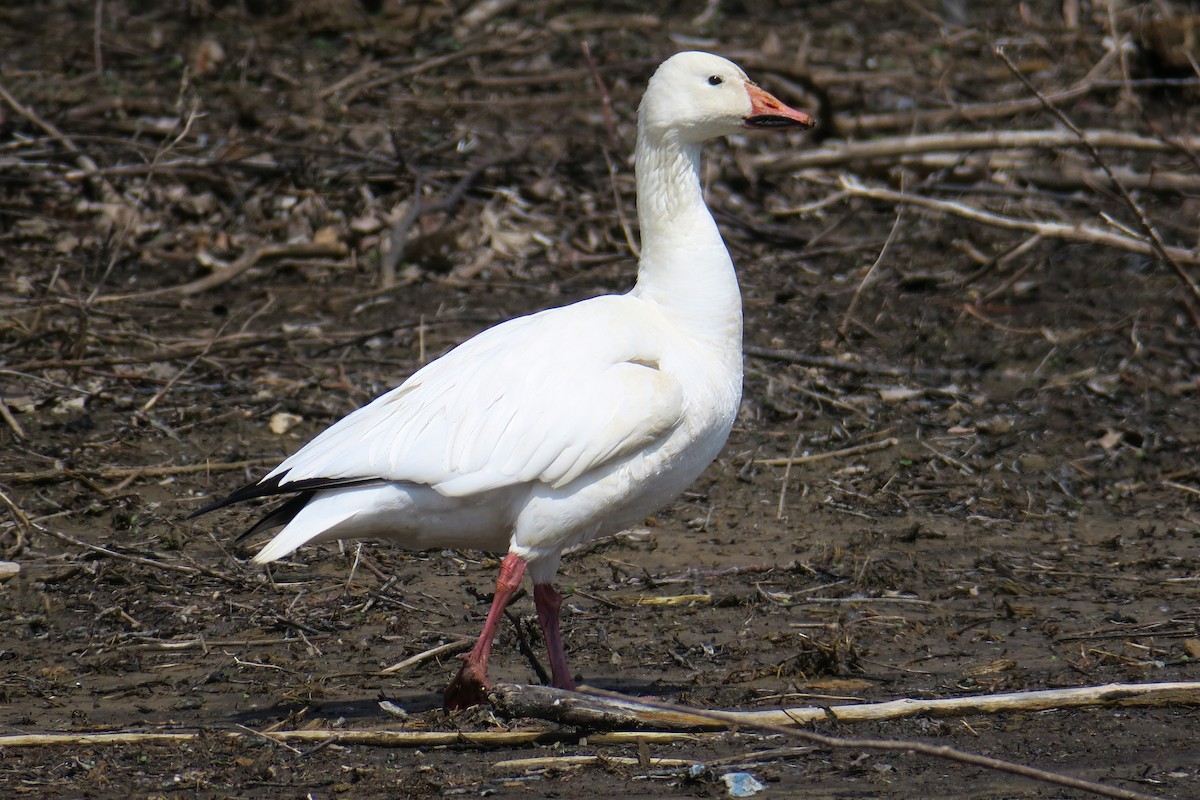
[(685, 269), (698, 96)]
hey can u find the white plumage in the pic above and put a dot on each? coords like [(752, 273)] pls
[(548, 430)]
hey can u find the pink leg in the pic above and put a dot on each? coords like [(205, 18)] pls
[(548, 603), (469, 686)]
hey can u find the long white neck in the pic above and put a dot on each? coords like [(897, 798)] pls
[(684, 268)]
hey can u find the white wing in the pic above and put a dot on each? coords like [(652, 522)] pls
[(543, 398)]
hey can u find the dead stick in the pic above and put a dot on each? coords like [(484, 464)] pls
[(23, 521), (563, 762), (858, 367), (871, 272), (933, 119), (1135, 208), (619, 705), (243, 263), (513, 738), (120, 473), (353, 90), (10, 420), (65, 739), (610, 120), (857, 449), (1069, 177), (894, 146), (1056, 230), (457, 646), (102, 186), (142, 560), (398, 236), (384, 738), (1065, 176), (939, 117), (587, 707), (238, 341)]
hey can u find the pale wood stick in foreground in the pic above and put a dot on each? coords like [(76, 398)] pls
[(381, 738), (884, 745), (561, 762), (566, 762), (609, 711)]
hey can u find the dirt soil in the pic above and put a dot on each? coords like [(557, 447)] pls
[(212, 249)]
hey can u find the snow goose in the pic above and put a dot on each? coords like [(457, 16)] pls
[(551, 429)]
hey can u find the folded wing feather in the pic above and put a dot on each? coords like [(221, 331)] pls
[(516, 404)]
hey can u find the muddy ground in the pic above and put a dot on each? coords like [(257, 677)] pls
[(1021, 512)]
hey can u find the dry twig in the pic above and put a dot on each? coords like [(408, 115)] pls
[(891, 147), (846, 365), (449, 648), (101, 186), (250, 258), (142, 560), (610, 711), (123, 473), (1139, 213), (1076, 232), (846, 317), (418, 207), (858, 449), (594, 708), (384, 738)]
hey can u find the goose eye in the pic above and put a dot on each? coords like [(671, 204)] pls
[(715, 80)]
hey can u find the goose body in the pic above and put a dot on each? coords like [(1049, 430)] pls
[(548, 430), (478, 450)]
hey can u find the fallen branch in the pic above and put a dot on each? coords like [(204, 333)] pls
[(1062, 177), (11, 421), (457, 646), (123, 473), (398, 236), (101, 186), (892, 147), (933, 118), (66, 739), (567, 762), (247, 260), (1076, 232), (512, 738), (142, 560), (609, 711), (661, 600), (1148, 227), (601, 707), (848, 314), (857, 449), (236, 341), (842, 365), (34, 525)]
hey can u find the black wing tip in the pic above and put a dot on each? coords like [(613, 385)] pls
[(264, 488), (271, 487), (277, 517)]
